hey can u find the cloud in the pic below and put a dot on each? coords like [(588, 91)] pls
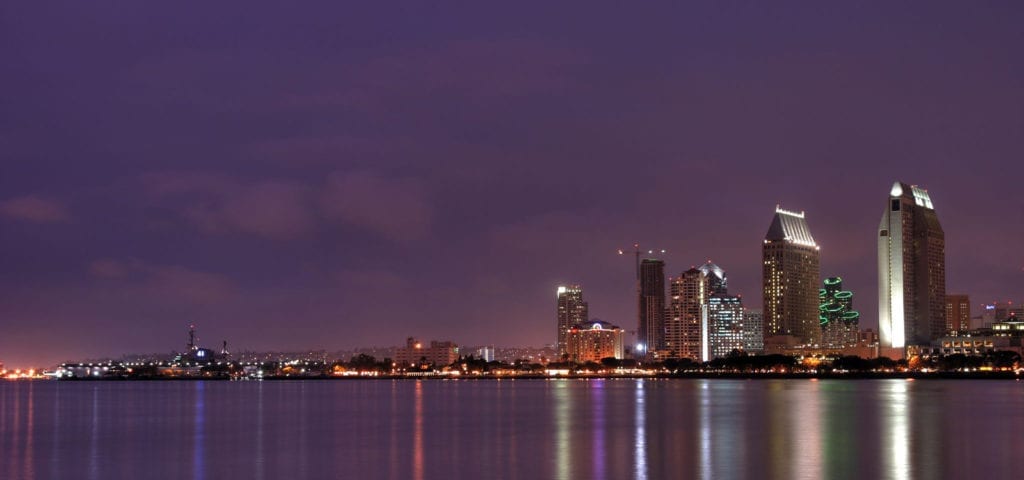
[(270, 209), (164, 283), (220, 205), (396, 208), (34, 209)]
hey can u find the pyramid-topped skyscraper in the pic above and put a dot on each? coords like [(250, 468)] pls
[(791, 268)]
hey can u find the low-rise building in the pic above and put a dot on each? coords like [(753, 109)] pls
[(438, 353), (595, 340)]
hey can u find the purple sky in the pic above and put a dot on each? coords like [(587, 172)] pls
[(347, 174)]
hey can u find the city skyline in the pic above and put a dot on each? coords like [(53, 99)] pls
[(298, 188)]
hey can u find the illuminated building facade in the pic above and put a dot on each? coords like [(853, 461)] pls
[(437, 353), (651, 330), (840, 323), (572, 310), (911, 270), (790, 276), (958, 313), (725, 325), (595, 340), (683, 323), (686, 326), (753, 331)]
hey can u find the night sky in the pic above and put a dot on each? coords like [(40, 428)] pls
[(342, 174)]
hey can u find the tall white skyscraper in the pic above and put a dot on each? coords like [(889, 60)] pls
[(911, 270)]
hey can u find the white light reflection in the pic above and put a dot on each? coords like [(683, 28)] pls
[(898, 436), (704, 411), (563, 469), (640, 419)]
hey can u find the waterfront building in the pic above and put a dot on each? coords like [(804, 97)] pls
[(486, 353), (1005, 311), (753, 331), (438, 353), (572, 310), (958, 313), (595, 340), (724, 315), (683, 322), (790, 276), (840, 323), (651, 328), (911, 270)]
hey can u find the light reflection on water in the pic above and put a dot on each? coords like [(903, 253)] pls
[(897, 429), (640, 440), (566, 429)]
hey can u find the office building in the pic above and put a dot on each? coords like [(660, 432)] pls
[(790, 276), (683, 323), (753, 331), (572, 310), (486, 353), (840, 323), (595, 340), (911, 270), (958, 313), (651, 328), (725, 325)]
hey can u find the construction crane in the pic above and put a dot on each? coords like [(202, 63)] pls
[(636, 252)]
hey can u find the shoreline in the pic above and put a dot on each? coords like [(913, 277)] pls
[(994, 375)]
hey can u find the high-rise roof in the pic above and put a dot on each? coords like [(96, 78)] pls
[(920, 195), (791, 227), (716, 277), (710, 268)]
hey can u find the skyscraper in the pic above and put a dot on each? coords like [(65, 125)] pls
[(683, 333), (651, 330), (791, 263), (703, 320), (753, 331), (911, 270), (840, 323), (725, 325), (717, 283), (572, 310), (958, 313)]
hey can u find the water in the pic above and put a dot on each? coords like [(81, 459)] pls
[(515, 429)]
